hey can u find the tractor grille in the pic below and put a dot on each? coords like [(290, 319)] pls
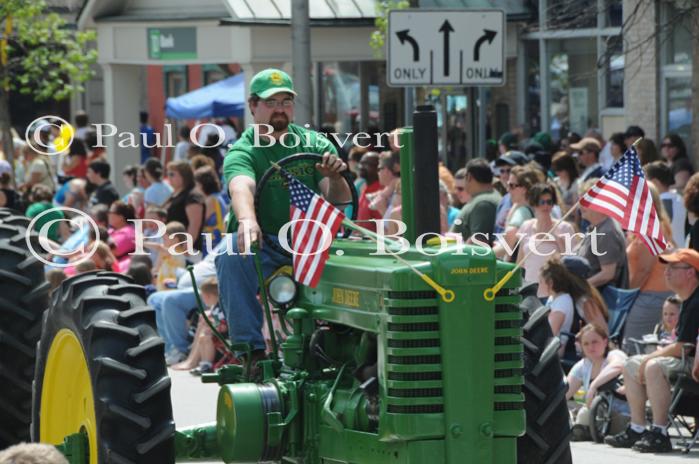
[(413, 354), (507, 392)]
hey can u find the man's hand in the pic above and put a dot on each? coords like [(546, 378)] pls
[(249, 233), (331, 166)]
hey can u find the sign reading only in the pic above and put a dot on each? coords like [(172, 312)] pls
[(446, 47)]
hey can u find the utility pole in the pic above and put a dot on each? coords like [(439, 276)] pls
[(301, 61)]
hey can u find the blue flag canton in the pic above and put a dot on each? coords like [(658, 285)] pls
[(301, 195), (626, 169)]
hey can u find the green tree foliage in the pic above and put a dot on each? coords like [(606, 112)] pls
[(378, 37), (43, 56)]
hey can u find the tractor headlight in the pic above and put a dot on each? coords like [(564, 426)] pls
[(282, 289)]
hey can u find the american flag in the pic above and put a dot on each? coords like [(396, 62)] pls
[(623, 194), (313, 218)]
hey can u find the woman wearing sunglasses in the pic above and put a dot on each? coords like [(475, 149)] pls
[(521, 179), (542, 198)]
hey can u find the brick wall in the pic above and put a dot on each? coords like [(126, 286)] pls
[(641, 84), (507, 95)]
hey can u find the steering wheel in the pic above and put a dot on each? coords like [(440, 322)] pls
[(294, 159)]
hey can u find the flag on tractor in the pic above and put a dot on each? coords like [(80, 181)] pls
[(623, 194), (314, 224)]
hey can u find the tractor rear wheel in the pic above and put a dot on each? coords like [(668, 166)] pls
[(23, 299), (101, 371), (547, 440)]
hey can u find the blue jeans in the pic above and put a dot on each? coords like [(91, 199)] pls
[(238, 287), (171, 310)]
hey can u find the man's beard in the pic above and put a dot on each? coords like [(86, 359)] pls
[(279, 122)]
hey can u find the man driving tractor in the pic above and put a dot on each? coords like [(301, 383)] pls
[(271, 138)]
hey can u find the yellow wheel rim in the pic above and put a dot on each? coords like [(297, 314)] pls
[(67, 402)]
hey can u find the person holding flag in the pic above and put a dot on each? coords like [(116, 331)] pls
[(267, 141), (621, 194)]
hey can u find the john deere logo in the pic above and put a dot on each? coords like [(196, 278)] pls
[(276, 78)]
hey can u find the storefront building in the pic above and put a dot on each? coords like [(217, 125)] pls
[(569, 66)]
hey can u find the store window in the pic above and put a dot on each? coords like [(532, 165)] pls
[(175, 80), (533, 96), (571, 14), (679, 106), (613, 13), (614, 73), (340, 95), (678, 44), (572, 86), (213, 74)]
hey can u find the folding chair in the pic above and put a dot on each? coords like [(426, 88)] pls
[(619, 303), (685, 404)]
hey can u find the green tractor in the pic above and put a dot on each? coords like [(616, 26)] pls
[(375, 366)]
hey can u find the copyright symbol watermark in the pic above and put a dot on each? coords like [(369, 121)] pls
[(79, 220), (60, 143)]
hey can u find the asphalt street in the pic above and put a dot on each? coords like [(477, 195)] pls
[(195, 403)]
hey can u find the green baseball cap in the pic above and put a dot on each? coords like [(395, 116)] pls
[(266, 83)]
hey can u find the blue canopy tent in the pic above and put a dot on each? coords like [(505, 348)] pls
[(222, 98)]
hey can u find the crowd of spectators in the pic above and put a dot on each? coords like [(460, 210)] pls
[(522, 199)]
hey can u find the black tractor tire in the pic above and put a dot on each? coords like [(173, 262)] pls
[(547, 439), (24, 295), (125, 358)]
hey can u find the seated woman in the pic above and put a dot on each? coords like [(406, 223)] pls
[(207, 182), (122, 233), (572, 299), (599, 366)]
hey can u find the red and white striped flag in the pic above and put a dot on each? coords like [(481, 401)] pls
[(623, 194), (315, 224)]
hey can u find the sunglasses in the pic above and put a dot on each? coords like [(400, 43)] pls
[(545, 202), (504, 171)]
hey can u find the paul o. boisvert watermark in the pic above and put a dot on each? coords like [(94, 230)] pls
[(262, 137), (183, 244)]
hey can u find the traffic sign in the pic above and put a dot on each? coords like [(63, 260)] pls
[(446, 47)]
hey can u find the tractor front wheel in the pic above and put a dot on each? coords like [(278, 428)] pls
[(101, 371), (547, 440)]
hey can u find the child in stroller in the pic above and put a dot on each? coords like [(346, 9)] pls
[(599, 366)]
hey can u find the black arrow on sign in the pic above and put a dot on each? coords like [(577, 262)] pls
[(487, 35), (446, 29), (403, 36)]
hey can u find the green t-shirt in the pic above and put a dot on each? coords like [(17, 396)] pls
[(478, 215), (36, 209), (244, 159)]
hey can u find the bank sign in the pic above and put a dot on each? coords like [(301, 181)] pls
[(446, 47), (172, 43)]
